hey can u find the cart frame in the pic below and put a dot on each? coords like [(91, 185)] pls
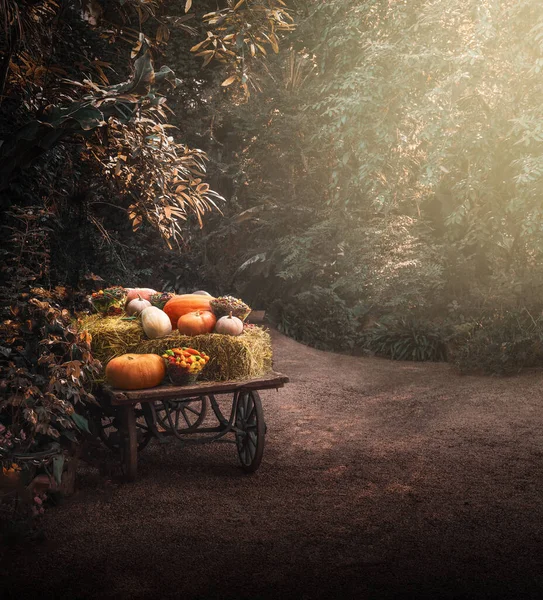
[(170, 412)]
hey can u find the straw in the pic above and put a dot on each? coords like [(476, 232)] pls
[(232, 357)]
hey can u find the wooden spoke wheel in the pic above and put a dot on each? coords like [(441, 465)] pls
[(108, 426), (250, 423), (185, 415)]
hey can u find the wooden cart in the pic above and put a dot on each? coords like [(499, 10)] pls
[(128, 420)]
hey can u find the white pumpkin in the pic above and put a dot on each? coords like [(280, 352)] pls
[(155, 322), (134, 307), (202, 293), (229, 325)]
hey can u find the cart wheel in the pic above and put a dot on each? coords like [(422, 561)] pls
[(250, 420), (186, 415), (108, 426)]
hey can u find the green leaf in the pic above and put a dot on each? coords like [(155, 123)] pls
[(89, 118), (70, 434), (80, 421)]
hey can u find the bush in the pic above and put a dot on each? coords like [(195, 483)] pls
[(317, 317), (46, 369), (406, 338), (501, 344)]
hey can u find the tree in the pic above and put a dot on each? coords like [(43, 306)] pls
[(123, 127)]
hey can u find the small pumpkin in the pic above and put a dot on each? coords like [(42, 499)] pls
[(183, 304), (229, 325), (196, 323), (134, 307), (135, 371), (155, 322), (134, 293)]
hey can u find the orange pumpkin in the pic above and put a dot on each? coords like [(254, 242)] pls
[(185, 303), (144, 293), (196, 323), (135, 371)]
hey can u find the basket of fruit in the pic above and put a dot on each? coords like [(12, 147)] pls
[(184, 364)]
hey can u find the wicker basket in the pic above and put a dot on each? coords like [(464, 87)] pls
[(179, 375)]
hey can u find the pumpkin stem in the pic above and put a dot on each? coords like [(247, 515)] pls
[(139, 297), (230, 315)]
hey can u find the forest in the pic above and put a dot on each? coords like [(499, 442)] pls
[(367, 172), (371, 179)]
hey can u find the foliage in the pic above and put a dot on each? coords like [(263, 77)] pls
[(22, 28), (27, 256), (46, 369), (411, 180), (123, 127), (391, 264), (275, 193), (500, 344), (406, 338), (239, 35), (430, 110), (46, 365), (317, 317), (161, 177)]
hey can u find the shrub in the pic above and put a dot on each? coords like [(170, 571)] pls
[(501, 344), (317, 317), (406, 338), (46, 368)]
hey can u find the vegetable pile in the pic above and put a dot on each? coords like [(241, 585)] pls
[(187, 358), (147, 321), (110, 300)]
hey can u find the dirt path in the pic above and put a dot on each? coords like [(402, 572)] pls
[(379, 480)]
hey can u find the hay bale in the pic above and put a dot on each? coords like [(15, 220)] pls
[(112, 336), (244, 356)]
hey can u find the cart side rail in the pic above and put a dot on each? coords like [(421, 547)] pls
[(163, 392)]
